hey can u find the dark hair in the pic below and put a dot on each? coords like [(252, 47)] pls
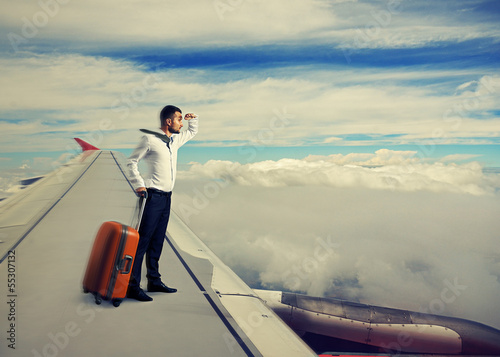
[(168, 112)]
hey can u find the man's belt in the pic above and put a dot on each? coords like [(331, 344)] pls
[(160, 192)]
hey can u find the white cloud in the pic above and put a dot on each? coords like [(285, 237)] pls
[(332, 139), (220, 23), (380, 157), (65, 82), (399, 171), (9, 184), (197, 22), (10, 178), (458, 157), (466, 85)]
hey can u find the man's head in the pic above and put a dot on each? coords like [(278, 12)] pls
[(171, 119)]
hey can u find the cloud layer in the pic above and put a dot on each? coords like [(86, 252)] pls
[(383, 170), (289, 225)]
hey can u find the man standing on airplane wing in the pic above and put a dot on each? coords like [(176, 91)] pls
[(159, 149)]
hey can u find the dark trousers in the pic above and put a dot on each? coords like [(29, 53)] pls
[(151, 236)]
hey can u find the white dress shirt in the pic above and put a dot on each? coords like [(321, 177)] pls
[(161, 159)]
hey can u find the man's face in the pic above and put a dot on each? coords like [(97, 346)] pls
[(175, 124)]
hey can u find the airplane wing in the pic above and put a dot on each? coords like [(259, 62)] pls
[(48, 230)]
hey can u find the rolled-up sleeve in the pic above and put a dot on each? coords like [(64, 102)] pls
[(133, 162)]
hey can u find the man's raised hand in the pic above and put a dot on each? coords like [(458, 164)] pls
[(190, 116)]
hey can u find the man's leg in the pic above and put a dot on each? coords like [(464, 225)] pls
[(156, 243), (152, 214)]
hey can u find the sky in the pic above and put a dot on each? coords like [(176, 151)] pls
[(362, 132)]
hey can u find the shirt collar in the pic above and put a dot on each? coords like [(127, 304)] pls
[(162, 132)]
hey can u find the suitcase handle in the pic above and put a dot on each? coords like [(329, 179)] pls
[(143, 196), (126, 264)]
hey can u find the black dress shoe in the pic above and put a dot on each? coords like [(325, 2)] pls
[(160, 288), (138, 294)]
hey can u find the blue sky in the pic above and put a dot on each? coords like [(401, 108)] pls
[(281, 79)]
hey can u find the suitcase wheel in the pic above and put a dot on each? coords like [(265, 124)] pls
[(98, 299), (85, 291), (116, 302)]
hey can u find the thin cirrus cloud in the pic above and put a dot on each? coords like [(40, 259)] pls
[(74, 94), (364, 24)]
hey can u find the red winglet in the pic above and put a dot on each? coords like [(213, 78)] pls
[(85, 145)]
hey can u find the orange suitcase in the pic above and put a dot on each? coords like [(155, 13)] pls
[(111, 260)]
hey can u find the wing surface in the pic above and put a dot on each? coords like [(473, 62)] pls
[(48, 230)]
